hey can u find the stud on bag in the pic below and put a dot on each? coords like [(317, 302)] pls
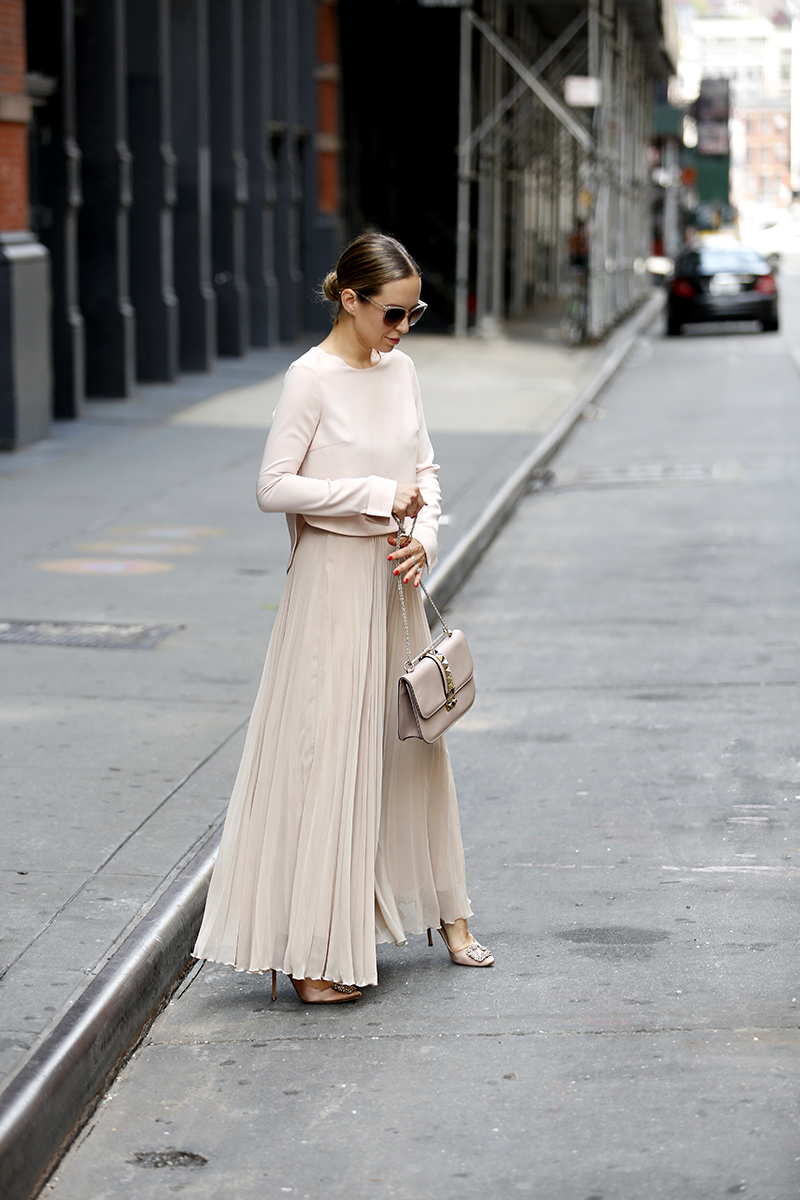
[(438, 685)]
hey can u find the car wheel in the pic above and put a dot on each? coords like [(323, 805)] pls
[(770, 326), (673, 328)]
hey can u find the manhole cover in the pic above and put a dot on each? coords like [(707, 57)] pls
[(91, 634), (649, 473), (168, 1158), (614, 935)]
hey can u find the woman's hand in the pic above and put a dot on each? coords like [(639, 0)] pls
[(407, 501), (409, 558)]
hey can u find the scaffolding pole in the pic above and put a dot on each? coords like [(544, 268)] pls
[(464, 175)]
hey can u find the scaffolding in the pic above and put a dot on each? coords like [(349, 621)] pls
[(532, 169)]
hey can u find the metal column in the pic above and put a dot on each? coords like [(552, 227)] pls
[(463, 226), (55, 179), (289, 171), (260, 212), (198, 322), (151, 220), (228, 175), (100, 37)]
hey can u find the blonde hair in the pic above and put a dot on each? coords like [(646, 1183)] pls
[(370, 261)]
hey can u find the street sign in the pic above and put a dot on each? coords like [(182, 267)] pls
[(582, 91)]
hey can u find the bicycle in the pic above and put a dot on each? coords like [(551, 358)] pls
[(575, 321)]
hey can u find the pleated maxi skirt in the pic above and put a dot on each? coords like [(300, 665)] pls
[(338, 835)]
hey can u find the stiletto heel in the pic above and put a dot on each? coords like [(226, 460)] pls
[(274, 985), (473, 955), (430, 938), (334, 993)]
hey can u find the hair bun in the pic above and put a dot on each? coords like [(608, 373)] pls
[(330, 286), (371, 260)]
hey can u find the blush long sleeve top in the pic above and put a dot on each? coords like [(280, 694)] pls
[(341, 440)]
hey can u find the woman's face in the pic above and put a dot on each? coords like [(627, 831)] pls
[(369, 326)]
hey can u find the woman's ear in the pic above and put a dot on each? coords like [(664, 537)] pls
[(348, 299)]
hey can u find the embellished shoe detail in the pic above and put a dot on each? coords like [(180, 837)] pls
[(332, 993), (478, 953), (473, 955)]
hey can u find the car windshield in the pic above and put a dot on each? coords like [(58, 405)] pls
[(708, 260)]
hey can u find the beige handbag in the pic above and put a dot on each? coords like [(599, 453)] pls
[(438, 685)]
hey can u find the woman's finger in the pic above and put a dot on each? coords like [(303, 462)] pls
[(419, 569), (412, 558), (403, 567), (411, 567), (408, 546)]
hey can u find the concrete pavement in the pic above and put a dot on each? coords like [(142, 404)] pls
[(118, 762), (629, 783)]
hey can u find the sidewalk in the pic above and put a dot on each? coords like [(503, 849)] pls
[(117, 762)]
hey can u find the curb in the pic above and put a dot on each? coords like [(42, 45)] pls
[(60, 1085)]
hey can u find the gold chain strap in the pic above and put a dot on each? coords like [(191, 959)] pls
[(410, 662)]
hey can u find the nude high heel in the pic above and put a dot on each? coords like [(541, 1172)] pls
[(472, 955), (334, 993)]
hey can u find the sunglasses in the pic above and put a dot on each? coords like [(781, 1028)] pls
[(394, 315)]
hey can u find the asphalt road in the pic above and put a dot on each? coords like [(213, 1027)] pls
[(629, 782)]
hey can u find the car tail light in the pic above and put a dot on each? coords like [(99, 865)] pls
[(765, 284), (683, 288)]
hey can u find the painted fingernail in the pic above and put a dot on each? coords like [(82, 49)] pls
[(397, 572)]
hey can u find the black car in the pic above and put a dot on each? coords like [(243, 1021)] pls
[(722, 283)]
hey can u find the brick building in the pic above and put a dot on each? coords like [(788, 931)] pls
[(14, 113), (762, 165)]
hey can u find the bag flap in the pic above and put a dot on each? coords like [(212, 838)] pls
[(428, 679)]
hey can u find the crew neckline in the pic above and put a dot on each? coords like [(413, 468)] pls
[(350, 366)]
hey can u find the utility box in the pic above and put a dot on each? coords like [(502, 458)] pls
[(25, 369)]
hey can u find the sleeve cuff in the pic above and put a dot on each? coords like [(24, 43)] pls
[(381, 497)]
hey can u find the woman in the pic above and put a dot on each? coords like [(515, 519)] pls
[(338, 835)]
